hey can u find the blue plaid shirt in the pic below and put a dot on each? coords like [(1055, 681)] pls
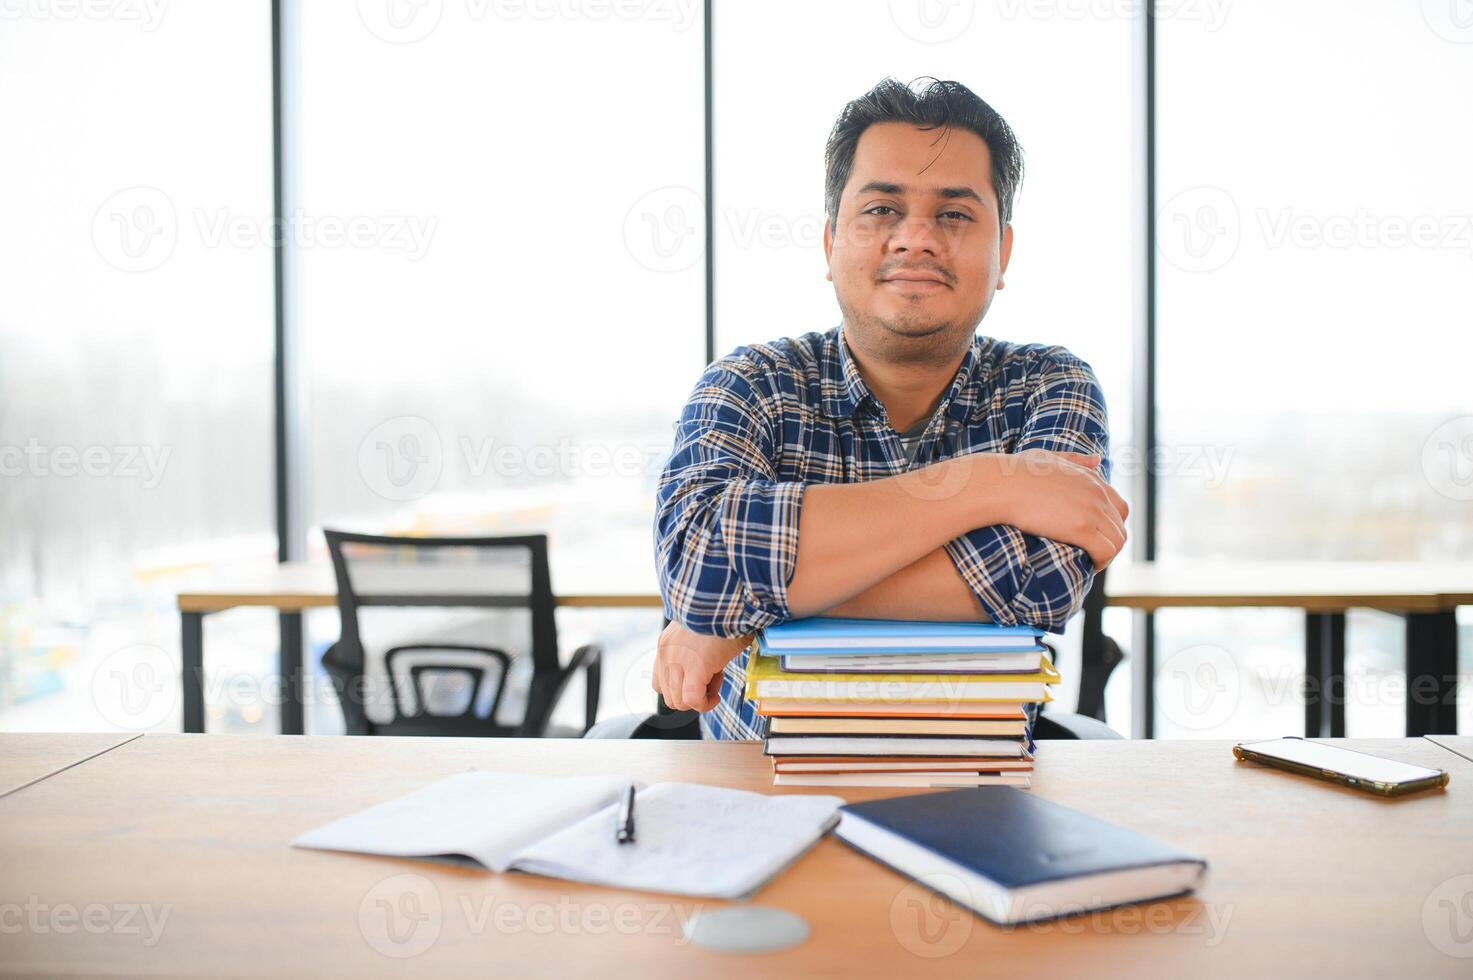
[(768, 419)]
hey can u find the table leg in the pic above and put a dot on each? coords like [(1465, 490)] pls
[(1324, 675), (1143, 675), (292, 721), (1432, 673), (192, 672)]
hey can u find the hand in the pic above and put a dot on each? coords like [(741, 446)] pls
[(1063, 497), (688, 666)]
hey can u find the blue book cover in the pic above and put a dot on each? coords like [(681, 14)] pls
[(1006, 841), (817, 635)]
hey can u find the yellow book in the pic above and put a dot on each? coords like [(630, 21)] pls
[(767, 679)]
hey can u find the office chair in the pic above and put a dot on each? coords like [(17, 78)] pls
[(1099, 655), (438, 683)]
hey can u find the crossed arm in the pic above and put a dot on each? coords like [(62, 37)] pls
[(1005, 537)]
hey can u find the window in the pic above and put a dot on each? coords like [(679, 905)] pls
[(135, 353), (507, 342), (1314, 299)]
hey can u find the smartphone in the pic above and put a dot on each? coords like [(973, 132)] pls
[(1347, 767)]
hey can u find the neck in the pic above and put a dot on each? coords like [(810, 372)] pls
[(909, 390)]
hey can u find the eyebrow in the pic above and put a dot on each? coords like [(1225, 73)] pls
[(950, 193)]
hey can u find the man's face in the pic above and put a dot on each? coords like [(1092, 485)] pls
[(916, 255)]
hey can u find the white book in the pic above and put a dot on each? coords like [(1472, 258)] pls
[(564, 827)]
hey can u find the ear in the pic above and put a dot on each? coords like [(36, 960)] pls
[(828, 249), (1005, 253)]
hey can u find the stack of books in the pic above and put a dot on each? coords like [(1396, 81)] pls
[(854, 702)]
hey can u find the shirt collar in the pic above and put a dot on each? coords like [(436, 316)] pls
[(843, 389)]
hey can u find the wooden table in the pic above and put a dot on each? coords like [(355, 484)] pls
[(1457, 744), (1426, 593), (32, 758), (177, 844)]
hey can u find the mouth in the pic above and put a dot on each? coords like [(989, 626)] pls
[(918, 284)]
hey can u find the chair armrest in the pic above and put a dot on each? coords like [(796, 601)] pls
[(589, 659), (1068, 725), (672, 725)]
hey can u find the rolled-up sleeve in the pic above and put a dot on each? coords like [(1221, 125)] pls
[(726, 529), (1023, 578)]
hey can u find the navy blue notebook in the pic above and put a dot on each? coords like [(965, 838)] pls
[(1014, 857)]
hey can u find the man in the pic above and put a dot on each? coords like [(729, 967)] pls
[(900, 465)]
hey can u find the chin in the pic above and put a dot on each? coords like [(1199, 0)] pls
[(909, 324)]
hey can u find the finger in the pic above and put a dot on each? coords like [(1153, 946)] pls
[(693, 690), (1118, 502), (1112, 517), (674, 680), (711, 695), (1111, 527), (1083, 459), (1104, 551)]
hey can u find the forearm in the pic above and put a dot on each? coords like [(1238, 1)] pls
[(853, 536), (930, 589)]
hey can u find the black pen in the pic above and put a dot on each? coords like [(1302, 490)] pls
[(624, 831)]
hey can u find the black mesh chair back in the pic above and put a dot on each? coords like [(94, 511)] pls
[(448, 636)]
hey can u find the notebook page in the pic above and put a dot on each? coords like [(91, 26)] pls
[(689, 839), (488, 816)]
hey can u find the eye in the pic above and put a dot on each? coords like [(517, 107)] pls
[(960, 214), (879, 207)]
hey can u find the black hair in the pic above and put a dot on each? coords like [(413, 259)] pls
[(933, 105)]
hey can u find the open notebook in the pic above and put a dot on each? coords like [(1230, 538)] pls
[(690, 839)]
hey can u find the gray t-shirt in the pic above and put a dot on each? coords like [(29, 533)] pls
[(910, 439)]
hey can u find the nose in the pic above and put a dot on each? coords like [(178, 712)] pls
[(917, 233)]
